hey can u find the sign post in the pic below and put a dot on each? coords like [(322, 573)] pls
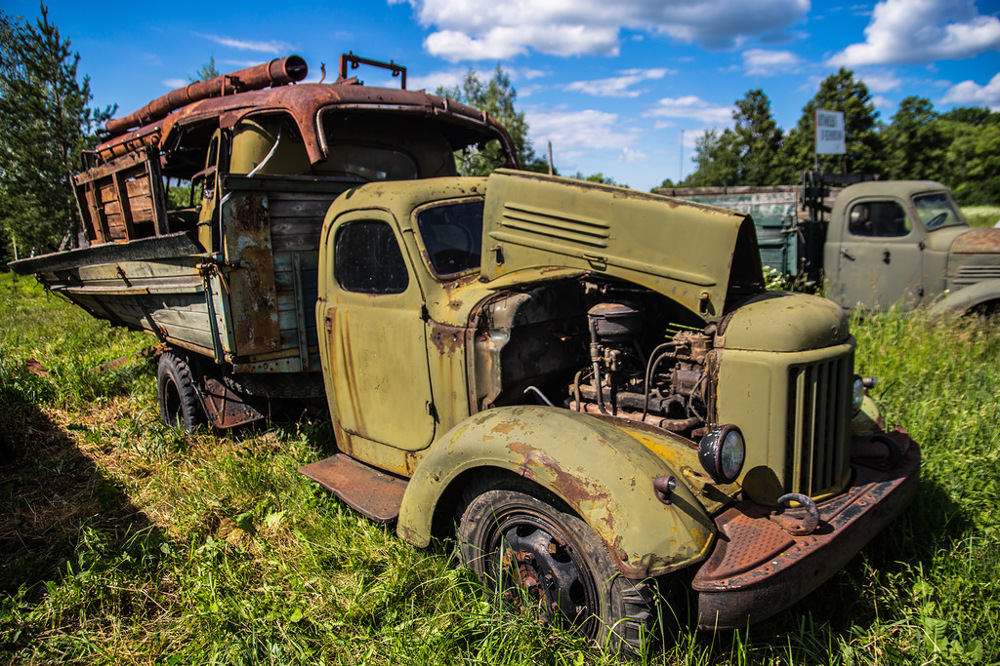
[(830, 134)]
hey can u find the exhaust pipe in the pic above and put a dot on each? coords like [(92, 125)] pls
[(278, 72)]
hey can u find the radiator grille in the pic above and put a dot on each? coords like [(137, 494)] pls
[(819, 435), (967, 275)]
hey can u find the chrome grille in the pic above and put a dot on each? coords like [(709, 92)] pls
[(819, 436)]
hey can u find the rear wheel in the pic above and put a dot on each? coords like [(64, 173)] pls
[(538, 555), (180, 405)]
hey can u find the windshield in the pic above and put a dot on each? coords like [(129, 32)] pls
[(937, 210), (452, 235)]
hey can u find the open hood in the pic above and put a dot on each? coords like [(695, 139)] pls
[(680, 249)]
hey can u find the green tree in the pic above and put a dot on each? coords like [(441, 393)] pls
[(205, 72), (837, 92), (915, 143), (756, 140), (598, 177), (45, 124), (716, 160), (496, 97), (972, 159)]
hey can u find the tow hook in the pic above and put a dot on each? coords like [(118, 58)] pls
[(797, 526)]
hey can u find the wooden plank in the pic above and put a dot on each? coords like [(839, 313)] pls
[(315, 208), (121, 193), (296, 243), (105, 170), (100, 223), (157, 196)]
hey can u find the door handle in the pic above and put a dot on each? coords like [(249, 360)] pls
[(885, 257), (847, 254)]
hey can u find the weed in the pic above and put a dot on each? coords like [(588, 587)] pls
[(123, 540)]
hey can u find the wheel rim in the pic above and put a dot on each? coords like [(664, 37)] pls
[(530, 559)]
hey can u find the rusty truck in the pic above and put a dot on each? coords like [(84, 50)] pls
[(587, 387), (881, 243)]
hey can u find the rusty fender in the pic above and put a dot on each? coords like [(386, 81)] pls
[(967, 298), (604, 474)]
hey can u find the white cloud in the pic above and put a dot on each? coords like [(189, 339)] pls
[(502, 29), (448, 78), (921, 31), (971, 93), (632, 156), (526, 73), (273, 47), (882, 103), (173, 84), (577, 129), (691, 107), (761, 62), (240, 63), (880, 83), (619, 86)]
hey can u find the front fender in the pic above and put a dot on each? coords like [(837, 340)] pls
[(967, 298), (604, 474)]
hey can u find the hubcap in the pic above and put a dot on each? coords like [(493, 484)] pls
[(538, 564)]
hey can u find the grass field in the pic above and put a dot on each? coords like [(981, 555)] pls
[(124, 541)]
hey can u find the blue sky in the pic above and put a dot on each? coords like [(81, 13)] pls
[(612, 84)]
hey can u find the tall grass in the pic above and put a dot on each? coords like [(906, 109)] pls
[(124, 541)]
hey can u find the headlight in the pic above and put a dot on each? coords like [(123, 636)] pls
[(861, 386), (721, 453)]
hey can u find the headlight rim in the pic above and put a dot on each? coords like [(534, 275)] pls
[(711, 451)]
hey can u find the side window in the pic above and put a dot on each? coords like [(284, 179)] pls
[(367, 259), (453, 236), (882, 219)]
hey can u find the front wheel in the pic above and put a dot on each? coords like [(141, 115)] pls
[(535, 553)]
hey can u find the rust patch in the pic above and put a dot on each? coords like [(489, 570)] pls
[(575, 490), (977, 241), (447, 339), (252, 290)]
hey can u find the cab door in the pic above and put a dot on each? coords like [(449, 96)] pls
[(376, 340), (880, 260)]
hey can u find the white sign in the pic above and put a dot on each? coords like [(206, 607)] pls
[(830, 133)]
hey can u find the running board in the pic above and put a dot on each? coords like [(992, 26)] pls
[(372, 492)]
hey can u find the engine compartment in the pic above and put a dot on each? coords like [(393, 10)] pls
[(599, 347)]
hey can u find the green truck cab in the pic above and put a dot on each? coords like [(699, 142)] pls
[(594, 386), (881, 244), (588, 387)]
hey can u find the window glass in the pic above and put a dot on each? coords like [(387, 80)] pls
[(367, 163), (937, 210), (883, 219), (452, 235), (383, 146), (367, 259)]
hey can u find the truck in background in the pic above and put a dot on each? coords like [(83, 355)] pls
[(881, 243), (592, 383)]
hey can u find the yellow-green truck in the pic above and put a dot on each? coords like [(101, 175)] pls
[(588, 387), (881, 244)]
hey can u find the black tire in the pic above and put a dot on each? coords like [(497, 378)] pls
[(180, 405), (531, 551)]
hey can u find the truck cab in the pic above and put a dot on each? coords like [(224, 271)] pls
[(594, 386), (906, 243)]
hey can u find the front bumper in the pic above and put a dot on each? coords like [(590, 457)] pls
[(758, 568)]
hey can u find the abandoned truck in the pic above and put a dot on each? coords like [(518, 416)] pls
[(590, 382), (886, 243)]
